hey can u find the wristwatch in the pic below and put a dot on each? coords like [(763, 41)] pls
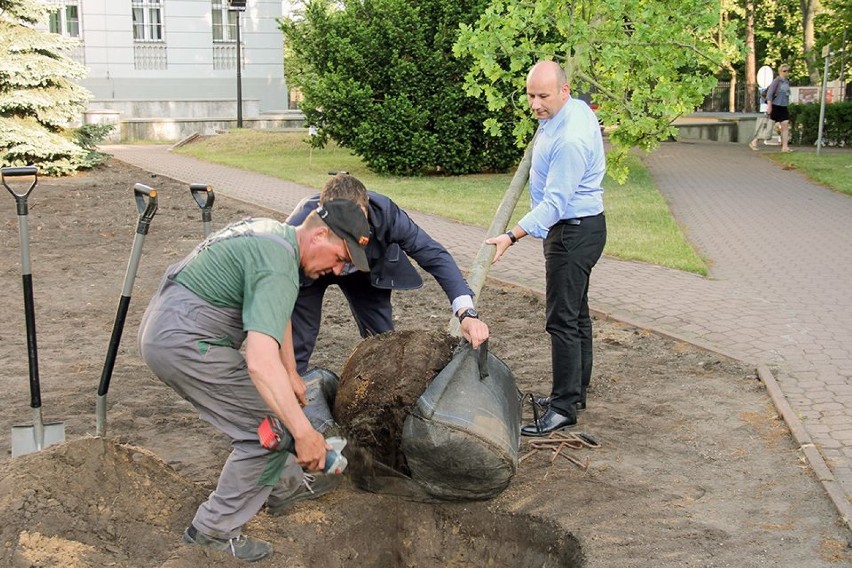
[(468, 313)]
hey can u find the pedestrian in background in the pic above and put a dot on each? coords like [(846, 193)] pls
[(567, 170), (777, 101)]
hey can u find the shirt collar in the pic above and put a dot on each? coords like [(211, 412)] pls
[(558, 119)]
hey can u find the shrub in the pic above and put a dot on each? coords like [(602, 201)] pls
[(837, 129), (88, 137), (379, 77)]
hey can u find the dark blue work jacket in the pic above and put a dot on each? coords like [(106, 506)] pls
[(393, 238)]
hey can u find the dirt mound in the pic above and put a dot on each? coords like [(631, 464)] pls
[(90, 502), (380, 382)]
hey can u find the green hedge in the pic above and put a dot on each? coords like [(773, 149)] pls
[(379, 77), (837, 130)]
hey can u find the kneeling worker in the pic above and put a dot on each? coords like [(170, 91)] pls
[(240, 285)]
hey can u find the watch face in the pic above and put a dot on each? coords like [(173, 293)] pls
[(469, 313)]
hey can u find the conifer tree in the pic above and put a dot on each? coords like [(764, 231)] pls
[(38, 93)]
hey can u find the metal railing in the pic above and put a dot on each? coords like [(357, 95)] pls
[(719, 98)]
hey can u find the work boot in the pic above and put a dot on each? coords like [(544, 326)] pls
[(312, 487), (242, 546)]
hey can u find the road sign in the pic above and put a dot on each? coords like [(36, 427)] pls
[(237, 5), (764, 76)]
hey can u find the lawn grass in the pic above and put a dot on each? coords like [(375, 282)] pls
[(640, 225), (831, 168)]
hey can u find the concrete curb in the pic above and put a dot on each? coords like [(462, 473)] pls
[(806, 445)]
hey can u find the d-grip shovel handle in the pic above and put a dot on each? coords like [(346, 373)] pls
[(146, 204), (20, 171), (26, 274), (204, 196)]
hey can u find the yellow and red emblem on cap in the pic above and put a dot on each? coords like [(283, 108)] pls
[(363, 241)]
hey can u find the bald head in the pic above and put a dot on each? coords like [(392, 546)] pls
[(547, 89), (548, 70)]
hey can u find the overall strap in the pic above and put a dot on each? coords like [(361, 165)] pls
[(242, 228)]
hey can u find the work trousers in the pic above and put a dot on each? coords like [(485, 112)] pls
[(370, 306), (193, 347), (571, 250)]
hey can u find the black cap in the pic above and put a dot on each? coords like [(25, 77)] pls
[(349, 222)]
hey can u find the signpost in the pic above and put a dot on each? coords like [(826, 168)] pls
[(238, 6), (826, 53), (764, 79), (764, 76), (312, 131)]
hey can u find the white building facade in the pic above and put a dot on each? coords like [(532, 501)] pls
[(177, 59)]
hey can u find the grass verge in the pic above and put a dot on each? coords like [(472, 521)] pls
[(832, 168), (640, 225)]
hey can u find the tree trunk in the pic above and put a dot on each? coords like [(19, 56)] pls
[(732, 94), (479, 270), (750, 62), (810, 9)]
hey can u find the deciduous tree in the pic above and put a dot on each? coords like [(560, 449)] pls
[(643, 63)]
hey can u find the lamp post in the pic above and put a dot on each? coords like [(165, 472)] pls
[(238, 6)]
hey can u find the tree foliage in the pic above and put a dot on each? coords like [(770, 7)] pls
[(38, 95), (644, 63), (780, 31), (378, 77)]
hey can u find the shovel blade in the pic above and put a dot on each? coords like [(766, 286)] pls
[(25, 438)]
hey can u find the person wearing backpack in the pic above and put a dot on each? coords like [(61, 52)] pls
[(777, 100)]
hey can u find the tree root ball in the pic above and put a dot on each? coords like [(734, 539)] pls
[(381, 380)]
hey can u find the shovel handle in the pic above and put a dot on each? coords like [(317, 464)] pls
[(20, 171), (146, 204), (203, 195), (27, 278)]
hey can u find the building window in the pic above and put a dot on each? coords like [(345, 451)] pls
[(224, 22), (147, 20), (65, 19)]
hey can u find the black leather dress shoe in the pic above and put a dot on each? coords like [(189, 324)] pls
[(544, 402), (550, 421)]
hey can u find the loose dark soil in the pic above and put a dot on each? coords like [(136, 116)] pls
[(381, 380), (694, 469)]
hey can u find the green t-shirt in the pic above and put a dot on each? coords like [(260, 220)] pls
[(247, 266)]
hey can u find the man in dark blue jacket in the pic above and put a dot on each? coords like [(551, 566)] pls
[(394, 237)]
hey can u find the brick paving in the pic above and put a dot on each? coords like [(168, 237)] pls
[(779, 293)]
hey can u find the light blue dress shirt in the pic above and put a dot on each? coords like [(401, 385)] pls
[(568, 167)]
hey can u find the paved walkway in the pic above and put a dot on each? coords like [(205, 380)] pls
[(779, 294)]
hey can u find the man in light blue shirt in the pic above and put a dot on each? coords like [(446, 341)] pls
[(568, 167)]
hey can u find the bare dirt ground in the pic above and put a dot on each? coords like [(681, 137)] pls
[(694, 468)]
